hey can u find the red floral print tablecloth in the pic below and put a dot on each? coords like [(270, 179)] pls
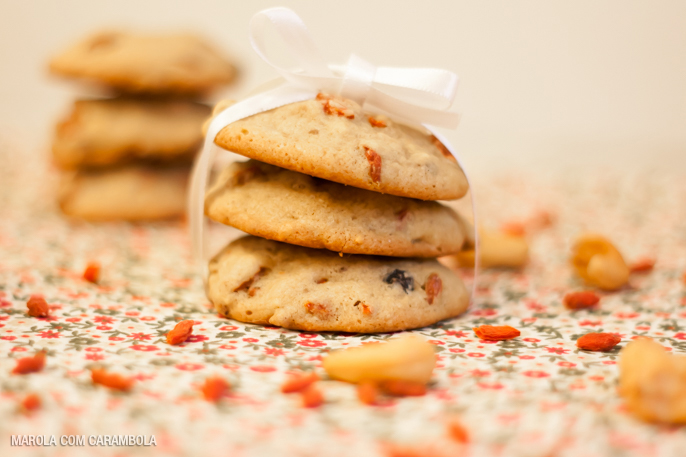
[(537, 395)]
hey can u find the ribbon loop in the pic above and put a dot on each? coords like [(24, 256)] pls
[(418, 95), (358, 79)]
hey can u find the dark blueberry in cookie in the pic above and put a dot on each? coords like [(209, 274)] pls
[(402, 278)]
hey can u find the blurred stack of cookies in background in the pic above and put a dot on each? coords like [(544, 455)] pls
[(128, 157), (344, 227)]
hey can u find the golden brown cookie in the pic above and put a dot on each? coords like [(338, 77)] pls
[(101, 133), (295, 208), (127, 193), (146, 63), (267, 282), (333, 139)]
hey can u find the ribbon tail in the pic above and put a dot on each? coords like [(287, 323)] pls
[(266, 101), (472, 196)]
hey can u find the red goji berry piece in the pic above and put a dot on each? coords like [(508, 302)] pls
[(318, 309), (513, 229), (32, 364), (374, 160), (312, 397), (111, 380), (457, 431), (31, 402), (441, 147), (180, 332), (401, 388), (581, 300), (298, 382), (92, 272), (496, 332), (368, 393), (37, 306), (377, 122), (215, 388), (642, 265), (598, 341), (433, 287)]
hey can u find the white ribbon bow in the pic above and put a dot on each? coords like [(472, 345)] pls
[(414, 95), (418, 95)]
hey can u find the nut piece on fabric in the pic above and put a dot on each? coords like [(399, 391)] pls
[(653, 382), (598, 262), (496, 249), (409, 358)]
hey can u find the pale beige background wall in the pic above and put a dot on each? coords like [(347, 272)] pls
[(550, 83)]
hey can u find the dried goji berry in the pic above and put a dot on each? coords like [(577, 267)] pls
[(112, 380), (581, 300), (513, 229), (598, 341), (441, 147), (247, 286), (180, 332), (377, 122), (215, 388), (318, 309), (33, 364), (312, 397), (368, 392), (642, 266), (496, 333), (541, 219), (37, 306), (31, 402), (298, 382), (335, 105), (415, 450), (457, 431), (92, 272), (402, 388), (374, 160), (433, 287)]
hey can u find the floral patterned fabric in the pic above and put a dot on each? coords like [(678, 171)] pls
[(537, 395)]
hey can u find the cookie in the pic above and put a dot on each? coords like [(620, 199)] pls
[(332, 138), (267, 282), (146, 64), (127, 193), (295, 208), (101, 133)]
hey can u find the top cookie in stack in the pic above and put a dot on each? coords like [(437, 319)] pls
[(331, 180), (129, 157)]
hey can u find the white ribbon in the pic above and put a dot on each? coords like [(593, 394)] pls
[(411, 95)]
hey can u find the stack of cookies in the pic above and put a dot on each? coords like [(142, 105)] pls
[(128, 157), (343, 227)]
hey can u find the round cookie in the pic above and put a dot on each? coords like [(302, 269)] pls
[(100, 133), (295, 208), (333, 139), (131, 193), (146, 64), (267, 282)]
